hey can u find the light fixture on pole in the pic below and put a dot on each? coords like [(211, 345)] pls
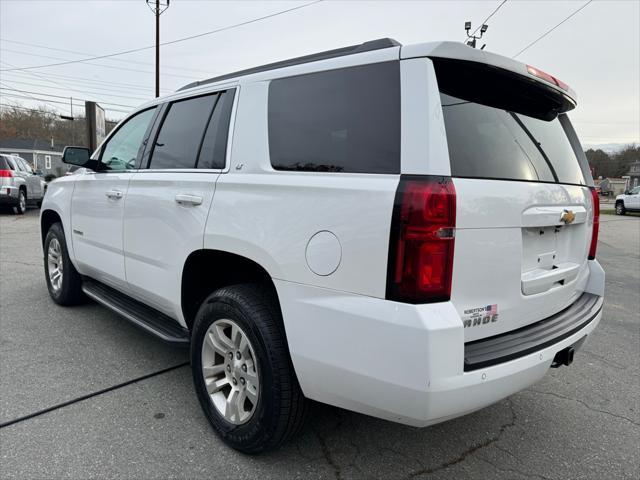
[(471, 38)]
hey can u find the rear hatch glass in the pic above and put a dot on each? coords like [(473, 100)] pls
[(488, 142), (518, 169)]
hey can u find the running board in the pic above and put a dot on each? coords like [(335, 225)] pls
[(142, 316)]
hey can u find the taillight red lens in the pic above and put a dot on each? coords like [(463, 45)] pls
[(422, 240), (6, 173), (596, 223)]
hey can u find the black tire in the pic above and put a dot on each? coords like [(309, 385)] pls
[(620, 210), (70, 292), (21, 207), (281, 406)]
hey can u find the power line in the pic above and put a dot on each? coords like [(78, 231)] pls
[(85, 62), (88, 81), (550, 30), (29, 96), (490, 15), (19, 107), (103, 92), (64, 50), (9, 87), (108, 91), (168, 43), (49, 102)]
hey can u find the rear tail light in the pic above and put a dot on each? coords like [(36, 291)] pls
[(6, 173), (545, 76), (422, 239), (596, 223)]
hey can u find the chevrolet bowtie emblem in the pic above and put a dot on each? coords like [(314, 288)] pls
[(567, 217)]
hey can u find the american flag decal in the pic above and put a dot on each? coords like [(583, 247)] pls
[(492, 309)]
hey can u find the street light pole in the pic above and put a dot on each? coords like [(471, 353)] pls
[(158, 9)]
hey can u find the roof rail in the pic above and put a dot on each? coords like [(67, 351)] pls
[(339, 52)]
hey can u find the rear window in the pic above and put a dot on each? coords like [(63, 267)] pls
[(7, 163), (488, 142), (344, 120)]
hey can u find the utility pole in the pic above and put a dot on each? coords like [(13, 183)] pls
[(158, 7), (73, 127)]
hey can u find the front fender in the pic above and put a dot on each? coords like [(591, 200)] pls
[(58, 200)]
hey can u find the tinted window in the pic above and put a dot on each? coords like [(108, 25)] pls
[(19, 164), (11, 163), (23, 165), (4, 164), (487, 142), (345, 120), (214, 146), (121, 150), (180, 136)]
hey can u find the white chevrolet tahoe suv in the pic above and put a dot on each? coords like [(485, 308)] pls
[(408, 232)]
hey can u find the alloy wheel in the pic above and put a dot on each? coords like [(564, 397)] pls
[(230, 371), (55, 264)]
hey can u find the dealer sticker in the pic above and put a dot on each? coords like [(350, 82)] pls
[(474, 317)]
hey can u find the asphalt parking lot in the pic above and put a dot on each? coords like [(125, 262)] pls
[(125, 406)]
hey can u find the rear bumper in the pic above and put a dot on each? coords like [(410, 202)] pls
[(9, 196), (400, 362)]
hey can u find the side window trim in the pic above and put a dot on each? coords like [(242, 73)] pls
[(101, 150)]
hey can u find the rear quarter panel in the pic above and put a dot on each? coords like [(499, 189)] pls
[(269, 216)]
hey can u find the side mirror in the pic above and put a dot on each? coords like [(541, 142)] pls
[(627, 192), (39, 172), (79, 156)]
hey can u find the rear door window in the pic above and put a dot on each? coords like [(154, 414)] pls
[(181, 134), (343, 120), (488, 142)]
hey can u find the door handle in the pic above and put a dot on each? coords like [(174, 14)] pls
[(114, 194), (184, 199)]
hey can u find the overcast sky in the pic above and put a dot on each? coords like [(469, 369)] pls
[(597, 51)]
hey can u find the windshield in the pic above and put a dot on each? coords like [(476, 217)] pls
[(488, 142)]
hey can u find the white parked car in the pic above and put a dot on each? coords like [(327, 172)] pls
[(629, 201), (407, 232)]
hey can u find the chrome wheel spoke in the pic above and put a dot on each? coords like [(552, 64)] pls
[(215, 386), (243, 346), (221, 338), (212, 370), (252, 394), (232, 412), (215, 344)]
